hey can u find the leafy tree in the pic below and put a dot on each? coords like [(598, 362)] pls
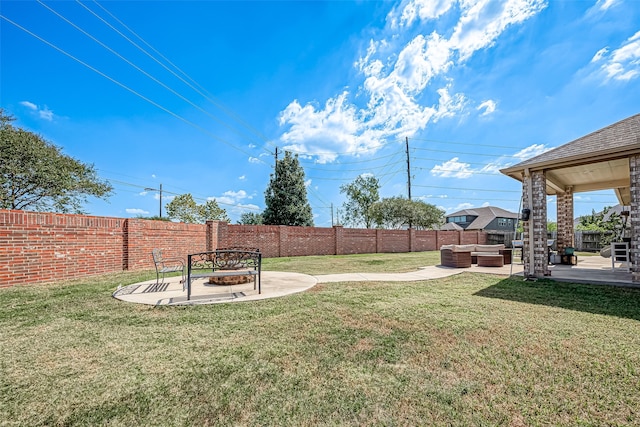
[(286, 196), (398, 212), (610, 226), (185, 209), (552, 226), (251, 218), (361, 195), (210, 211), (154, 218), (36, 175)]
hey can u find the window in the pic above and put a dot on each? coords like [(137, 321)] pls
[(504, 222)]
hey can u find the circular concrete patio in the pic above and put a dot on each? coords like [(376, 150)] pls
[(274, 284)]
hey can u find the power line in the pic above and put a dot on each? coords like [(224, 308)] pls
[(122, 85), (206, 95)]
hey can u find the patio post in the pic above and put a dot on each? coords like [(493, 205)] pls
[(634, 216), (565, 220), (535, 249)]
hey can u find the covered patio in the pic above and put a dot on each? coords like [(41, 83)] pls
[(608, 158)]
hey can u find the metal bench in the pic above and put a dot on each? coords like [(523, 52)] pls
[(224, 263)]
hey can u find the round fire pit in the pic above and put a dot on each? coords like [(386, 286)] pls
[(230, 280)]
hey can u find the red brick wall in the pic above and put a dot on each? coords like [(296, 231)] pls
[(176, 239), (46, 247), (357, 241)]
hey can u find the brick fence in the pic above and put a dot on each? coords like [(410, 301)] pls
[(45, 247)]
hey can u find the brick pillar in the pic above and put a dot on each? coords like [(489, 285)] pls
[(412, 239), (634, 216), (565, 220), (216, 235), (283, 237), (378, 240), (338, 232), (535, 230)]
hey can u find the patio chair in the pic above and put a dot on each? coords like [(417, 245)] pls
[(167, 265)]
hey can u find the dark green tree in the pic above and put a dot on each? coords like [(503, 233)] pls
[(361, 195), (286, 196), (610, 226), (185, 209), (251, 218), (36, 175), (398, 212)]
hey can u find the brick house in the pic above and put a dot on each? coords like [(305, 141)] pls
[(608, 158)]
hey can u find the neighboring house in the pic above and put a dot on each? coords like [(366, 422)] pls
[(489, 218)]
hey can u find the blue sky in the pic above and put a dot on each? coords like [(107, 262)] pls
[(197, 95)]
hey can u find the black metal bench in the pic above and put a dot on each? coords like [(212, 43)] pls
[(224, 263)]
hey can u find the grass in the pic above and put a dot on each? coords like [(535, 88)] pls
[(373, 263), (477, 350)]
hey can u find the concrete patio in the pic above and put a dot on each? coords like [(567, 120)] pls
[(590, 270)]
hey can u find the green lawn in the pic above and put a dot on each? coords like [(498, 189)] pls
[(469, 350)]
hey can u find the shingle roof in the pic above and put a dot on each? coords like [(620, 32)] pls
[(484, 216), (619, 136)]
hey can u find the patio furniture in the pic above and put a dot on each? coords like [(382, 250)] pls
[(166, 265), (490, 260), (450, 255), (620, 253), (449, 258), (224, 263)]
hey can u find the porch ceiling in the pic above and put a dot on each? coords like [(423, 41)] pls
[(610, 174), (598, 161)]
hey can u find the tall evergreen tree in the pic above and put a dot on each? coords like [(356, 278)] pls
[(286, 196)]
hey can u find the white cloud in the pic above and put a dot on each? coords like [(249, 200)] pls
[(621, 64), (230, 197), (29, 105), (242, 177), (254, 160), (483, 21), (489, 107), (401, 69), (409, 11), (44, 112), (136, 211), (460, 207), (452, 168), (531, 151), (605, 4), (153, 175)]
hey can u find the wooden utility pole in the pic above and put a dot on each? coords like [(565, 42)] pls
[(408, 169)]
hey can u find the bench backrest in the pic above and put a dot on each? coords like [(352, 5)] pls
[(226, 259)]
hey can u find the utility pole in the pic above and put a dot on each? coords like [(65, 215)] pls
[(408, 169), (276, 165), (160, 191), (332, 214)]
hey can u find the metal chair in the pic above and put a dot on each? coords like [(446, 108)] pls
[(167, 265)]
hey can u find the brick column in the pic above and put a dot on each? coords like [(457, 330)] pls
[(634, 216), (338, 232), (535, 230), (565, 220), (412, 239)]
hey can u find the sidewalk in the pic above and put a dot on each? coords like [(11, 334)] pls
[(276, 284)]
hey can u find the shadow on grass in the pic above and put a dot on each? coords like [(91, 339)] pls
[(597, 299)]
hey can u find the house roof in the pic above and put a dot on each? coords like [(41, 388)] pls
[(449, 226), (484, 216), (597, 161)]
